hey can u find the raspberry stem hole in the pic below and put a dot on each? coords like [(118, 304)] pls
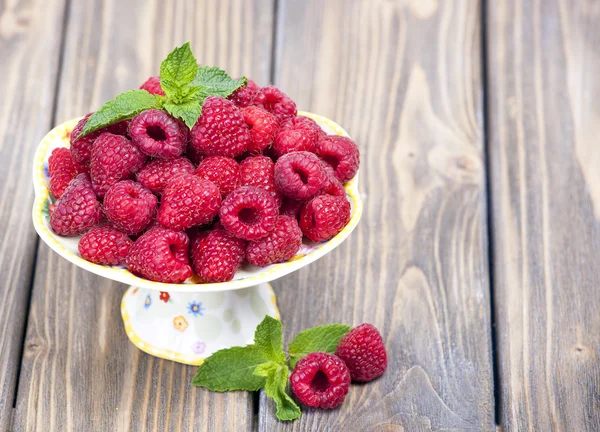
[(303, 176), (320, 382), (249, 216), (331, 161), (156, 133)]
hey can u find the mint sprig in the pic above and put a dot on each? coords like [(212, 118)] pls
[(323, 338)]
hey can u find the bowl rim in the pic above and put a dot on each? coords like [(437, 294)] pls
[(123, 275)]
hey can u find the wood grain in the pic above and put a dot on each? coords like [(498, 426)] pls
[(404, 78), (80, 372), (544, 117), (30, 39)]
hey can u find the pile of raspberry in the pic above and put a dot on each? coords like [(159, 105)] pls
[(245, 184)]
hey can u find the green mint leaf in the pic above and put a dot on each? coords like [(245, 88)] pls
[(268, 337), (215, 82), (177, 72), (232, 369), (323, 338), (123, 107), (189, 112), (277, 378)]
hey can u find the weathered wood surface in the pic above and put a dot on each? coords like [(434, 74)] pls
[(404, 79), (80, 372), (30, 40), (544, 137)]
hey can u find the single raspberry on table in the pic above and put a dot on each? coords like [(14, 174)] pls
[(280, 245), (62, 169), (220, 130), (217, 255), (332, 186), (300, 175), (244, 96), (130, 207), (259, 171), (341, 153), (290, 207), (152, 86), (324, 216), (188, 201), (160, 255), (263, 128), (297, 134), (114, 158), (158, 134), (320, 380), (156, 174), (77, 210), (81, 148), (222, 171), (104, 245), (363, 351), (275, 101), (249, 213)]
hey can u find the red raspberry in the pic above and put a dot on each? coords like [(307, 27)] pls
[(152, 86), (244, 96), (222, 171), (77, 210), (275, 101), (114, 158), (363, 351), (104, 245), (130, 206), (158, 134), (221, 130), (300, 175), (341, 153), (193, 155), (188, 201), (324, 216), (156, 174), (297, 134), (160, 255), (259, 171), (280, 245), (290, 207), (320, 380), (333, 185), (249, 213), (217, 255), (62, 169), (81, 149), (263, 128)]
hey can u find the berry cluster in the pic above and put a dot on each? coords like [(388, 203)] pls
[(247, 182)]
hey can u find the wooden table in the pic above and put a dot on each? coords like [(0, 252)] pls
[(477, 255)]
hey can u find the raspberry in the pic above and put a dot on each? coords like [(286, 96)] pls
[(263, 128), (187, 201), (160, 255), (77, 210), (222, 171), (104, 245), (81, 149), (297, 134), (130, 207), (152, 86), (363, 351), (217, 255), (221, 130), (158, 134), (156, 174), (249, 213), (290, 207), (332, 185), (193, 155), (280, 245), (324, 216), (259, 171), (320, 380), (300, 175), (244, 96), (114, 158), (341, 153), (275, 101), (62, 169)]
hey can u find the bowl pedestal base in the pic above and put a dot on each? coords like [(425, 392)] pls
[(187, 327)]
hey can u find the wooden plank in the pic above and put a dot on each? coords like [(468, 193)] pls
[(544, 117), (80, 372), (30, 41), (404, 78)]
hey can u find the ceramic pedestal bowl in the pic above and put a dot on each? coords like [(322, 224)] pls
[(186, 322)]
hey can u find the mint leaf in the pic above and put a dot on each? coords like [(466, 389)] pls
[(189, 112), (123, 107), (177, 72), (232, 369), (215, 82), (277, 376), (322, 338), (268, 337)]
